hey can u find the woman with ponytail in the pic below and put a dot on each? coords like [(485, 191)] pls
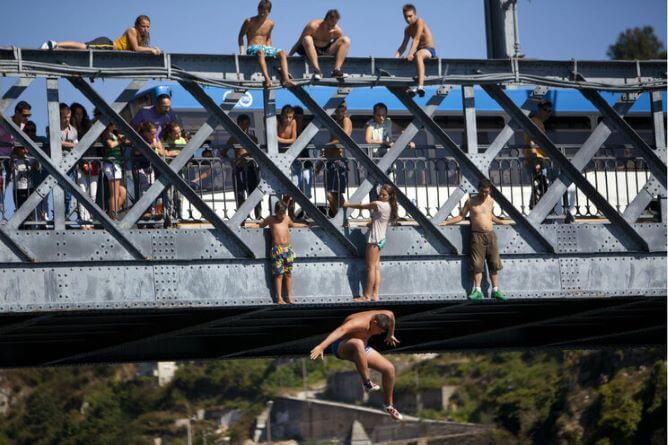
[(137, 38), (383, 211)]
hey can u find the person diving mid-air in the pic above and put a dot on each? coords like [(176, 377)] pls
[(349, 342)]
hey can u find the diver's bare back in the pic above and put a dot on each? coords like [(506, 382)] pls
[(426, 39), (365, 318), (481, 214), (258, 31)]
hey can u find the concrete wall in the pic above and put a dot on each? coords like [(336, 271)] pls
[(303, 420)]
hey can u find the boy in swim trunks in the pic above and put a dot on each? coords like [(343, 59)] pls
[(421, 48), (282, 256), (323, 37), (350, 342), (257, 31)]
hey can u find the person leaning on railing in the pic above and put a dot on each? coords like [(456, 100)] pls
[(112, 145), (336, 167), (245, 171), (22, 112), (537, 165)]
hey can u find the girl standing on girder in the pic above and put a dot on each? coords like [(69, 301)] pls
[(136, 38), (383, 211)]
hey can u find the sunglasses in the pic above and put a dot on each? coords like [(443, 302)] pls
[(27, 115)]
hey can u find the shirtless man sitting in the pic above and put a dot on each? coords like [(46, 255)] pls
[(421, 48), (257, 31), (323, 38), (483, 239), (349, 342)]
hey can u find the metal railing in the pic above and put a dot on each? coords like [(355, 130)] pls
[(223, 184)]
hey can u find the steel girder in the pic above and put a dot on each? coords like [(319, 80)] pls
[(619, 223), (434, 234), (252, 331), (288, 158), (233, 68), (274, 174), (473, 173), (161, 166)]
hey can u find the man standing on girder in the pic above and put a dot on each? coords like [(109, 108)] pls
[(484, 246), (350, 342)]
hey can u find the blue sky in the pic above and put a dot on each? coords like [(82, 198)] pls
[(549, 29)]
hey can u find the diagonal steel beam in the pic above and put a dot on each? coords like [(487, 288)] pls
[(271, 171), (496, 93), (590, 147), (160, 165), (469, 169), (400, 145), (14, 92), (645, 195), (494, 148), (440, 239), (302, 141), (656, 165), (69, 161), (178, 163), (69, 185)]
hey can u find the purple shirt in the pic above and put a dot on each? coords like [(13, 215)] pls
[(7, 141), (148, 114)]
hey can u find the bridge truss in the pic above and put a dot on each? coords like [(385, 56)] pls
[(119, 268)]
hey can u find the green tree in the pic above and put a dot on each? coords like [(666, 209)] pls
[(637, 43)]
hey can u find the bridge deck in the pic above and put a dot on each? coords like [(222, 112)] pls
[(42, 339)]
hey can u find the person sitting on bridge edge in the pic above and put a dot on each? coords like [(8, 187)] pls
[(323, 38), (383, 211), (257, 31), (350, 342), (421, 48), (282, 256), (484, 246), (137, 38)]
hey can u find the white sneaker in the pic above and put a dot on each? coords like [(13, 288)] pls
[(420, 91), (369, 386), (392, 411), (49, 44), (412, 91), (317, 75)]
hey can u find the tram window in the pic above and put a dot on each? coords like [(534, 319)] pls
[(636, 122), (490, 122), (450, 122), (568, 123)]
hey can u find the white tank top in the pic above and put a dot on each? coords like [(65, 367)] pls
[(379, 221)]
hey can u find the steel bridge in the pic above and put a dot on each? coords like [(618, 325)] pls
[(121, 292)]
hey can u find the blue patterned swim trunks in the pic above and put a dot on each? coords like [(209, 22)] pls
[(269, 51)]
